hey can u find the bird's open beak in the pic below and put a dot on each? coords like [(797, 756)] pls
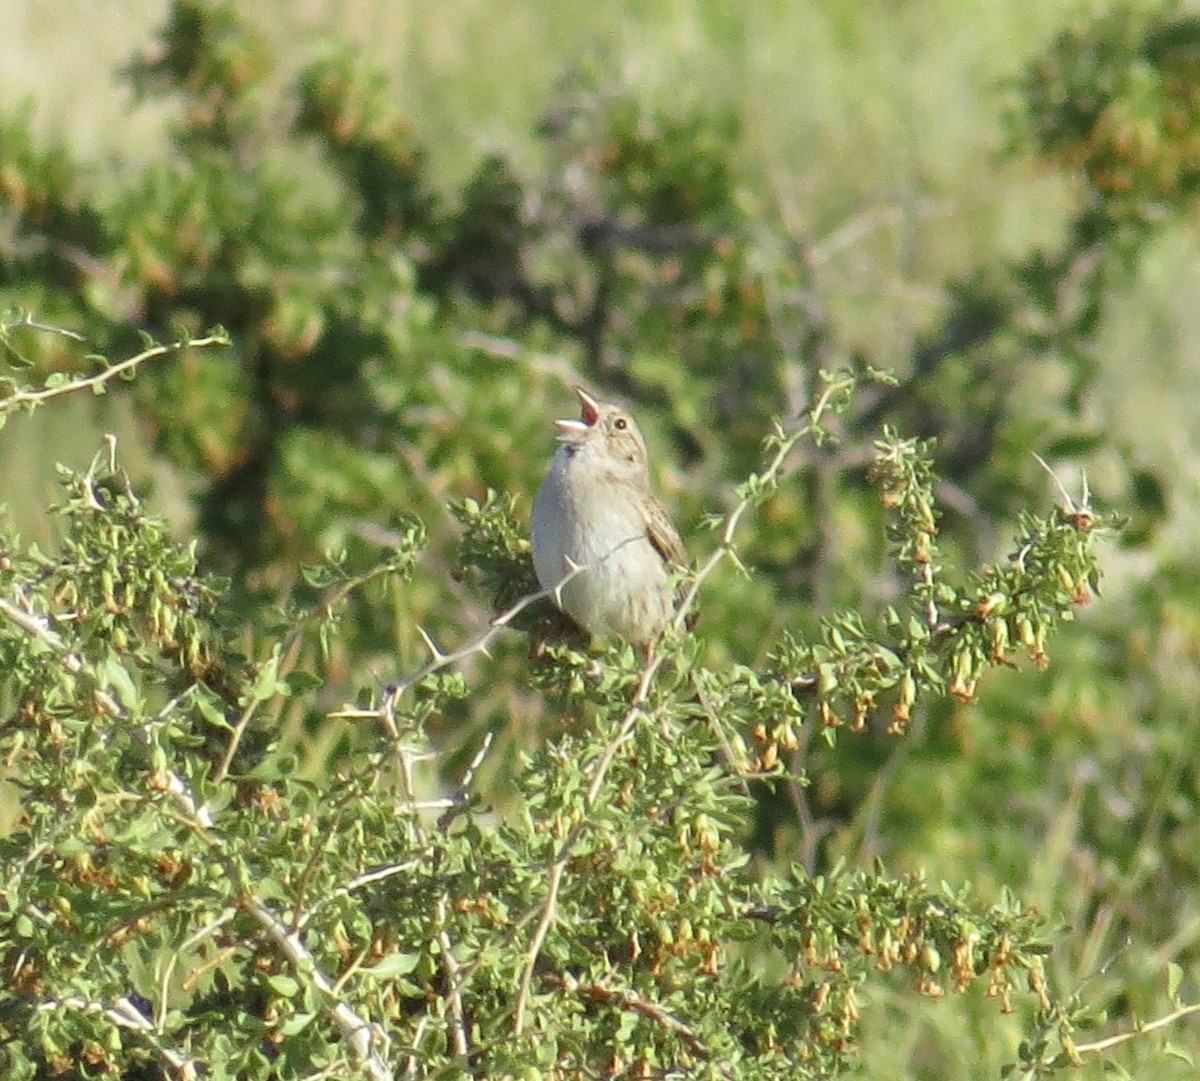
[(589, 408), (589, 413)]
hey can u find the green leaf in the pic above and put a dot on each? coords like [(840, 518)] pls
[(1174, 978), (266, 684), (300, 682), (1174, 1050), (392, 965), (209, 709), (297, 1023), (283, 985), (113, 675)]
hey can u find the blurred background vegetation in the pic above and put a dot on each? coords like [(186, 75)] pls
[(422, 223)]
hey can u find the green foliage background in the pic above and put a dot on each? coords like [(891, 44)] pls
[(419, 228)]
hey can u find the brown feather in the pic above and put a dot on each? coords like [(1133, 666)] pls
[(663, 536)]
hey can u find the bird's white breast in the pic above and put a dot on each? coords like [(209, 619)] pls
[(580, 513)]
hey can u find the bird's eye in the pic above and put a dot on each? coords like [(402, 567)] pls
[(620, 424)]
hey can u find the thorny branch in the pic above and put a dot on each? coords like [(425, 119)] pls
[(359, 1033), (439, 660), (30, 399), (628, 999), (1140, 1030), (38, 626), (124, 1014), (726, 549), (287, 651)]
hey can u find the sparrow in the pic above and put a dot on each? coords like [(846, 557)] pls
[(595, 511)]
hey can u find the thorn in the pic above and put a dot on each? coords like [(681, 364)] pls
[(573, 569), (434, 652), (1059, 484)]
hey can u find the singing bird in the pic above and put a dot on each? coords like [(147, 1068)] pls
[(595, 510)]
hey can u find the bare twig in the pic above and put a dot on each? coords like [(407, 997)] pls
[(864, 224), (439, 660), (1140, 1030), (628, 999), (380, 874), (38, 627), (410, 1070), (458, 1017), (124, 1014), (192, 940), (287, 652), (27, 320), (725, 549), (1069, 505), (358, 1033), (454, 804), (548, 910), (28, 399), (551, 364)]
